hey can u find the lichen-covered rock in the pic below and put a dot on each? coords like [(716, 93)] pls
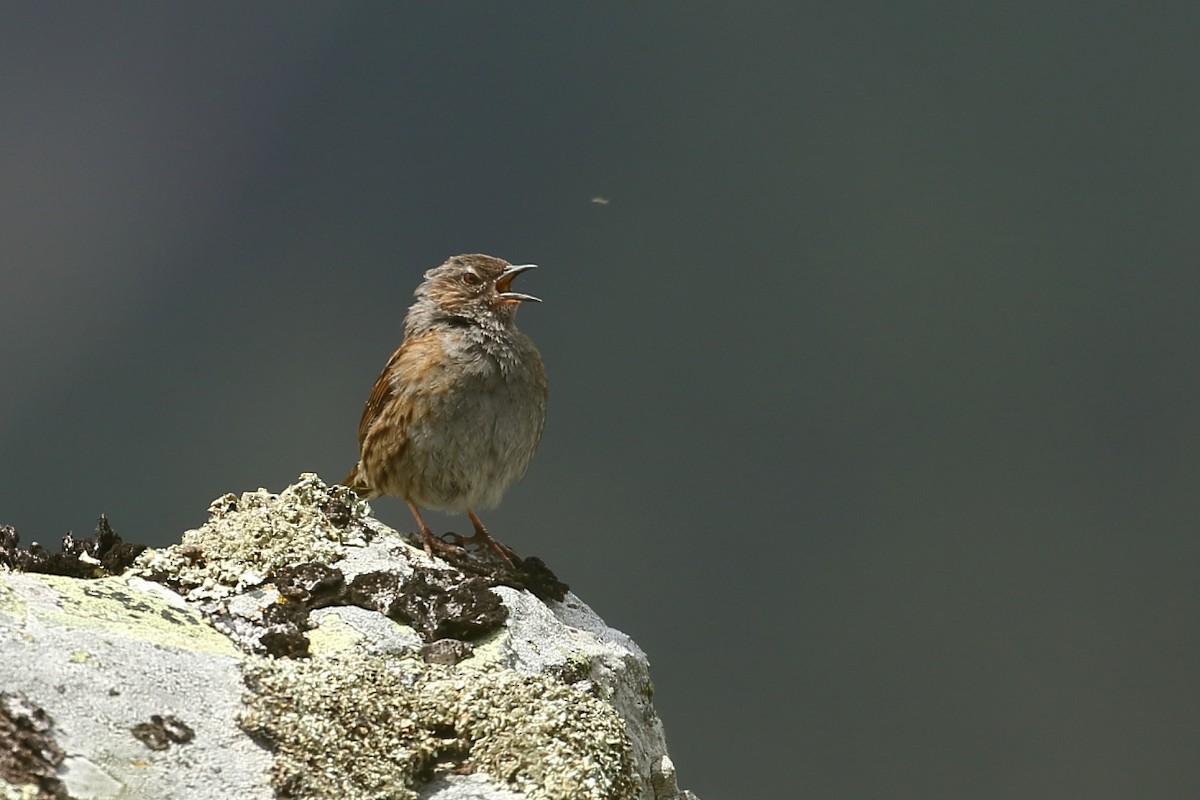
[(294, 646), (256, 535), (360, 727)]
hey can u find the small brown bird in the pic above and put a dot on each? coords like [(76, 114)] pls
[(457, 413)]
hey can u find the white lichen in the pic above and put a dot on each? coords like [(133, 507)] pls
[(361, 727), (250, 537)]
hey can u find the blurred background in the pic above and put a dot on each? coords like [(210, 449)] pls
[(871, 331)]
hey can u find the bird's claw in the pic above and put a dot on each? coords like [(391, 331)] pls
[(484, 541)]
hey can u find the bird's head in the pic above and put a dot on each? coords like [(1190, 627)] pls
[(475, 287)]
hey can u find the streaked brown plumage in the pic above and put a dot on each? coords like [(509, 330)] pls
[(457, 412)]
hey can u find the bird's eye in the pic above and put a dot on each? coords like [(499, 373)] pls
[(470, 279)]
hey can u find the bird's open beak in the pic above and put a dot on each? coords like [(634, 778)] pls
[(504, 284)]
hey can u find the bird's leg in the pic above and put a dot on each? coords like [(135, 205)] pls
[(484, 539), (430, 541)]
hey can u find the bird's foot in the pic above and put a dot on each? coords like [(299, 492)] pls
[(435, 545), (483, 541)]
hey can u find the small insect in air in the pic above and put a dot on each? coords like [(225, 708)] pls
[(600, 201)]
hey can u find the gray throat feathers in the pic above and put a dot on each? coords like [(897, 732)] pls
[(491, 335)]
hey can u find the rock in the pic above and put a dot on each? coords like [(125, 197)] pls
[(296, 647)]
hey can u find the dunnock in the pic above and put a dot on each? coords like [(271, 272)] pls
[(455, 416)]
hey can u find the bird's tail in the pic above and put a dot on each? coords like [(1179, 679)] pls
[(357, 481)]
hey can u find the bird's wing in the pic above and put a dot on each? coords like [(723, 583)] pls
[(406, 375), (380, 394)]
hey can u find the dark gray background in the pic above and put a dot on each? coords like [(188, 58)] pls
[(873, 388)]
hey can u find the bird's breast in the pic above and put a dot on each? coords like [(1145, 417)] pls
[(480, 428)]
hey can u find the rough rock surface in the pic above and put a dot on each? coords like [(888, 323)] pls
[(295, 647)]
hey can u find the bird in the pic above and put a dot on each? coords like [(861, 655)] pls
[(457, 413)]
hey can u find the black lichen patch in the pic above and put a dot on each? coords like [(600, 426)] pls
[(285, 644), (374, 591), (103, 554), (338, 511), (439, 607), (315, 585), (161, 731), (533, 574), (283, 626), (521, 573), (438, 604), (29, 756)]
